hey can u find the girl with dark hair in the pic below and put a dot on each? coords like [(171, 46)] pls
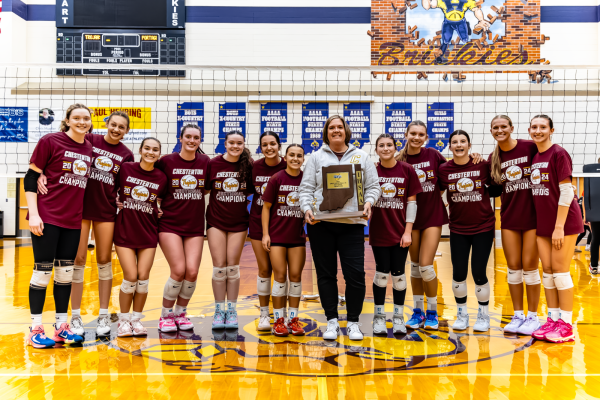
[(558, 224), (262, 171), (181, 227), (390, 232), (136, 233), (511, 169), (55, 219), (472, 223), (229, 182), (284, 240)]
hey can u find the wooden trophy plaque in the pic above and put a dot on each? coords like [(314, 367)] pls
[(339, 187)]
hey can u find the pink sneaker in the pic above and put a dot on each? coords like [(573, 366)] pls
[(167, 324), (63, 334), (38, 339), (138, 328), (562, 332), (549, 326), (124, 328), (183, 322)]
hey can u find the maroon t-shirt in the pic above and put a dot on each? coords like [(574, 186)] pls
[(261, 173), (286, 224), (430, 207), (389, 212), (470, 207), (183, 206), (137, 222), (66, 165), (100, 201), (548, 170), (517, 211), (227, 208)]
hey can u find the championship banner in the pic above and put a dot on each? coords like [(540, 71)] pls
[(232, 117), (189, 113), (397, 118), (358, 117), (140, 121), (314, 116), (440, 124), (273, 117), (13, 124)]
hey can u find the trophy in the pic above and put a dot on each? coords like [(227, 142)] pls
[(339, 185)]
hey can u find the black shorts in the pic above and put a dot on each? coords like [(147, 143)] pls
[(288, 245)]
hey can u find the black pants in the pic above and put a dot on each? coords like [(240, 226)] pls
[(55, 244), (595, 245), (327, 240), (582, 234), (460, 249), (389, 259)]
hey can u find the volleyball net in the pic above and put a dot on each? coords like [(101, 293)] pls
[(296, 101)]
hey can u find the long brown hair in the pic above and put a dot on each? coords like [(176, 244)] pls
[(245, 161), (403, 155), (346, 129), (63, 124), (496, 164)]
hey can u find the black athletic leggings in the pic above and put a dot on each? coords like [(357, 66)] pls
[(55, 244), (460, 249), (582, 234), (595, 245), (389, 259)]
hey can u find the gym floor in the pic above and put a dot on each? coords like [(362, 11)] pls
[(244, 364)]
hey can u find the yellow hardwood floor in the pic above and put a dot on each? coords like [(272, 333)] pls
[(243, 364)]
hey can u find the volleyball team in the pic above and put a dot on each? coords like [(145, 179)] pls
[(79, 181)]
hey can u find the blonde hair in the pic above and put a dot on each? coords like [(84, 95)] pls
[(63, 124), (402, 155), (346, 129), (496, 164)]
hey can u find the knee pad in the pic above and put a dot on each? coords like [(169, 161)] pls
[(279, 289), (532, 277), (142, 286), (459, 289), (105, 272), (548, 280), (563, 281), (42, 273), (78, 271), (482, 292), (427, 273), (399, 282), (219, 274), (514, 276), (295, 289), (380, 279), (172, 289), (415, 271), (233, 272), (63, 272), (187, 289), (128, 287), (263, 286)]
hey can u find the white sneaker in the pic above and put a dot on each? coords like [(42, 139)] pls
[(514, 324), (530, 325), (483, 323), (398, 322), (264, 323), (333, 330), (353, 330), (77, 325), (587, 247), (103, 327), (461, 323), (379, 325)]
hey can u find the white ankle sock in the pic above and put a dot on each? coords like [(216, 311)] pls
[(166, 311), (36, 319), (379, 310), (293, 312), (532, 314), (220, 306), (554, 314), (180, 309), (104, 311), (484, 309), (137, 315), (264, 310), (76, 312), (432, 303), (519, 313), (419, 301), (398, 309), (61, 318), (462, 308), (277, 313), (231, 305), (567, 316)]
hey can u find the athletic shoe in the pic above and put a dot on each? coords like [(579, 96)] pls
[(398, 323), (353, 330), (562, 332), (63, 334), (231, 319), (333, 330), (77, 325), (279, 328), (103, 326), (183, 322), (587, 247), (483, 323), (593, 270), (544, 329), (124, 328), (379, 325), (295, 328), (167, 324), (264, 323), (417, 320), (514, 324), (432, 322), (530, 325), (218, 320), (461, 323), (38, 339), (91, 244), (138, 328)]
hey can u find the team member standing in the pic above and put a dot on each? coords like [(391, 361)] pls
[(136, 233), (181, 227), (284, 240), (472, 223), (511, 168), (390, 232), (551, 175), (227, 217), (55, 219), (262, 171)]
